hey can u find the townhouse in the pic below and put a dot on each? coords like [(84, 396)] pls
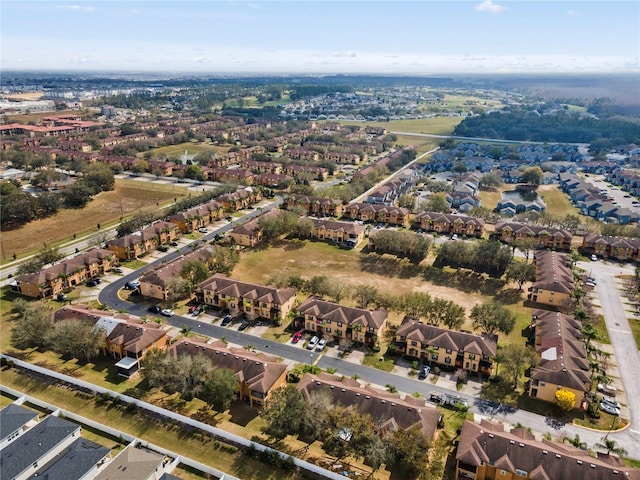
[(249, 234), (546, 237), (344, 233), (240, 199), (197, 217), (14, 421), (342, 322), (254, 301), (389, 410), (447, 348), (342, 157), (315, 206), (463, 201), (486, 452), (628, 180), (159, 282), (302, 154), (230, 175), (272, 180), (562, 357), (52, 449), (449, 224), (261, 167), (620, 248), (512, 206), (367, 212), (50, 281), (318, 173), (554, 283), (135, 245)]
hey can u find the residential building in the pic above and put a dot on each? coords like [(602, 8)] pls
[(486, 452), (342, 322), (367, 212), (14, 421), (604, 246), (447, 348), (258, 374), (315, 206), (554, 279), (249, 234), (240, 199), (198, 217), (79, 461), (345, 233), (255, 301), (148, 239), (136, 463), (389, 410), (159, 282), (562, 357), (546, 237), (450, 224), (50, 281)]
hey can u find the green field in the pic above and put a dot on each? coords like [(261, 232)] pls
[(435, 125), (191, 148), (558, 202)]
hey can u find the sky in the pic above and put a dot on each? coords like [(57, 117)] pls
[(309, 37)]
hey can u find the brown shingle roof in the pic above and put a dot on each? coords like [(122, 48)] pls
[(236, 288), (339, 313)]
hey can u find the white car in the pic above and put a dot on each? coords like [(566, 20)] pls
[(203, 230), (613, 403), (605, 407), (594, 258), (312, 343), (321, 345), (167, 312)]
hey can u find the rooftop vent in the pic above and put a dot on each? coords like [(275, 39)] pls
[(558, 455), (491, 435), (522, 445), (545, 452), (579, 462), (512, 442)]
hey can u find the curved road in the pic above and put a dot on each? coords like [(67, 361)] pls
[(629, 438)]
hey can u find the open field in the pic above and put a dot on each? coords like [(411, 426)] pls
[(421, 143), (127, 198), (557, 201), (490, 198), (435, 125), (189, 147), (465, 102), (37, 116)]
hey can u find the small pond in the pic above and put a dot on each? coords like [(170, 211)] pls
[(517, 195)]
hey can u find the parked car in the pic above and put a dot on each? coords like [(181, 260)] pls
[(173, 244), (608, 401), (296, 336), (321, 344), (203, 230), (424, 371), (605, 407), (594, 257), (312, 343), (167, 312), (226, 320), (91, 283), (132, 285), (154, 309), (192, 308), (196, 312), (607, 389), (116, 270), (243, 325), (454, 236), (61, 297)]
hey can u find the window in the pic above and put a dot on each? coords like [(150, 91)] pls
[(503, 472), (542, 383), (434, 356), (328, 330), (414, 344), (447, 360), (339, 324), (472, 356), (521, 473)]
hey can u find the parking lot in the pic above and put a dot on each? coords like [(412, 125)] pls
[(620, 197)]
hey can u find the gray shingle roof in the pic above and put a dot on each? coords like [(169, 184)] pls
[(73, 462), (12, 417)]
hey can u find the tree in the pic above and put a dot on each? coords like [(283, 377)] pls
[(338, 289), (565, 399), (194, 272), (576, 442), (136, 222), (532, 176), (410, 452), (99, 177), (407, 201), (318, 285), (224, 259), (77, 339), (492, 317), (521, 272), (77, 195), (364, 295), (491, 179), (438, 203), (414, 304), (515, 358), (611, 446), (33, 326), (283, 413), (220, 389)]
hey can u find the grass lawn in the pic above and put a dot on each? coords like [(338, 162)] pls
[(5, 400), (558, 203), (191, 148), (421, 143), (490, 198), (635, 329), (467, 101), (106, 208), (435, 125)]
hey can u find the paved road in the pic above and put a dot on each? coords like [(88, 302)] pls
[(622, 198), (622, 341)]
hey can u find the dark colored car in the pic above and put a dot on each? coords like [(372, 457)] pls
[(154, 309), (424, 371), (243, 326), (226, 320), (61, 297), (91, 283)]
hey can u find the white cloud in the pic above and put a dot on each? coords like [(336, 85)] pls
[(489, 6), (77, 8)]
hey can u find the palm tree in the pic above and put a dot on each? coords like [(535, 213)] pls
[(611, 446), (576, 442)]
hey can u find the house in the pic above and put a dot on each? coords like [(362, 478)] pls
[(255, 301), (463, 201), (519, 205), (262, 167), (389, 410), (344, 233), (230, 175), (341, 322), (546, 237), (315, 206), (273, 180), (198, 217), (249, 234), (135, 463), (21, 459), (317, 173), (486, 452), (159, 281), (562, 361), (449, 224), (366, 212), (148, 239), (80, 461), (554, 279), (14, 421), (232, 202), (620, 248), (50, 281), (258, 374), (447, 348)]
